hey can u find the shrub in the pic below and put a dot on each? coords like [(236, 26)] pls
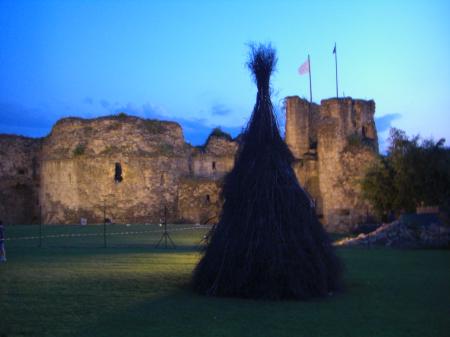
[(79, 150), (216, 132)]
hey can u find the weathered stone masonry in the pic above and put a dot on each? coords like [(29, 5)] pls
[(20, 172), (333, 144), (72, 173)]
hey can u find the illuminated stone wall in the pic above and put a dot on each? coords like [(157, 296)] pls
[(71, 173)]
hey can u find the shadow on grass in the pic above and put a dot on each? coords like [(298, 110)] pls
[(183, 313)]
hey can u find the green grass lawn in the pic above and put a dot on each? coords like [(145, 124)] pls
[(75, 288)]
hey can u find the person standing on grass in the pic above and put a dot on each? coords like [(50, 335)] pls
[(2, 243)]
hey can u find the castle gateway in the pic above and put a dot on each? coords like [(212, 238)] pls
[(131, 168)]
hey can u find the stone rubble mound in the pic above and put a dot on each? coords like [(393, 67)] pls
[(401, 234)]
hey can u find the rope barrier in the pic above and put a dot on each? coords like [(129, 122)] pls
[(101, 234)]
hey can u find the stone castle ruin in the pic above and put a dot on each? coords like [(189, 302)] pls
[(333, 143), (128, 169)]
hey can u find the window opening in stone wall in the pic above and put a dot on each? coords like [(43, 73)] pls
[(213, 165), (162, 179), (208, 199), (21, 171), (118, 173), (312, 144)]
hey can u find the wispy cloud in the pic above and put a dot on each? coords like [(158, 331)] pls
[(37, 122), (195, 130), (105, 104), (384, 123), (146, 110), (88, 100), (220, 110)]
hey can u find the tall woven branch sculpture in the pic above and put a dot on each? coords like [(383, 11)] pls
[(268, 242)]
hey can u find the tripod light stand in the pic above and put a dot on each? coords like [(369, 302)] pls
[(165, 235)]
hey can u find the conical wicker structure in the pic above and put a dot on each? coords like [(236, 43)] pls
[(268, 242)]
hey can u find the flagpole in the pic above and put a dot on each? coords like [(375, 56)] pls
[(310, 87), (335, 61)]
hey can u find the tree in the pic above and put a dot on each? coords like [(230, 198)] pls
[(378, 187), (268, 242), (413, 173)]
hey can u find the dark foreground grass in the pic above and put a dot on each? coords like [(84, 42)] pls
[(140, 291)]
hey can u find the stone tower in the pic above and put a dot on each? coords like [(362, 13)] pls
[(333, 144)]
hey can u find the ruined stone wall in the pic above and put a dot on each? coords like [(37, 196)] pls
[(302, 119), (19, 179), (300, 125), (333, 144), (208, 166), (365, 121), (343, 160), (71, 173), (306, 170), (215, 159), (354, 117), (79, 167), (198, 200)]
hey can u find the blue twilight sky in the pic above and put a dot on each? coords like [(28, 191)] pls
[(185, 60)]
